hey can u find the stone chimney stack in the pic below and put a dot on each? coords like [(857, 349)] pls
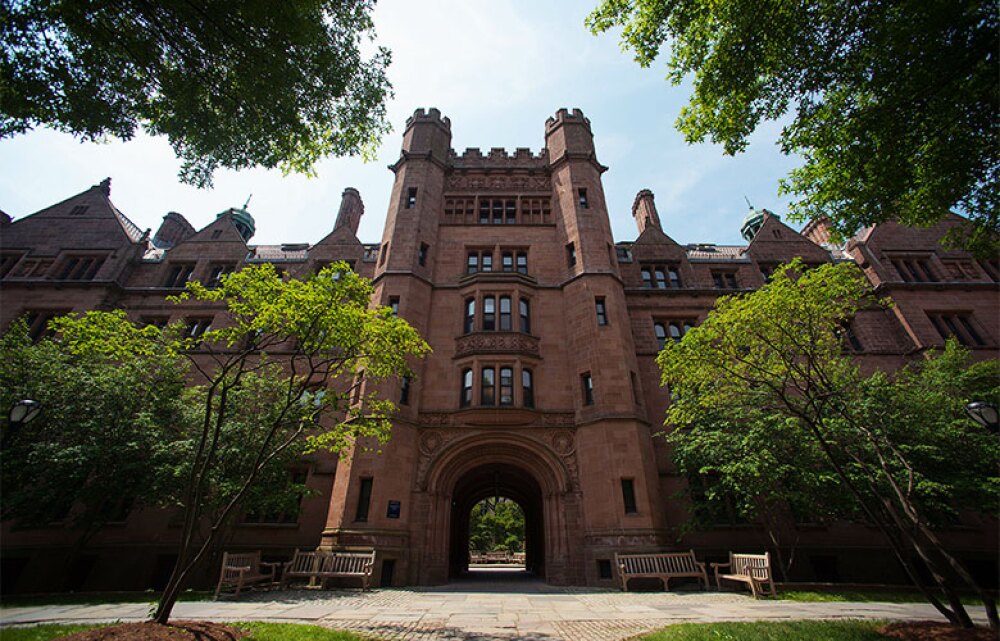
[(644, 211), (174, 229), (351, 210)]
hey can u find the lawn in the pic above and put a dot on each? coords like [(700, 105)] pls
[(261, 632), (771, 631), (863, 596)]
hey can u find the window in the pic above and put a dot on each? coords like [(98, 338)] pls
[(479, 261), (80, 267), (628, 496), (364, 499), (527, 388), (587, 385), (505, 314), (602, 314), (484, 212), (470, 315), (724, 280), (216, 272), (7, 262), (914, 270), (992, 268), (472, 263), (570, 254), (465, 399), (411, 197), (510, 211), (159, 322), (487, 261), (767, 271), (624, 254), (404, 391), (497, 211), (38, 323), (383, 254), (489, 314), (584, 203), (196, 327), (356, 392), (507, 261), (422, 254), (506, 386), (487, 396), (661, 277), (961, 326), (394, 305), (525, 311), (849, 338), (675, 329), (522, 262), (179, 275)]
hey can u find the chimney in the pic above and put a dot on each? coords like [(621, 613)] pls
[(351, 210), (644, 211)]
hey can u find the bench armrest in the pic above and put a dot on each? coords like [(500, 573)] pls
[(716, 566), (700, 564)]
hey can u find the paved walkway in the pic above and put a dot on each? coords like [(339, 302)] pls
[(482, 610)]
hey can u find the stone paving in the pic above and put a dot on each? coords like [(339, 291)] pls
[(479, 611)]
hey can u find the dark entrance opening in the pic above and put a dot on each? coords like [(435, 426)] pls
[(491, 481)]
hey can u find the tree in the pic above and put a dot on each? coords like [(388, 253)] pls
[(250, 410), (102, 444), (496, 525), (891, 104), (231, 84), (772, 364)]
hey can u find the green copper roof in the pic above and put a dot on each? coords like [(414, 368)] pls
[(243, 220), (752, 223)]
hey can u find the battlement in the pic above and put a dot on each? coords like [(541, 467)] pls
[(498, 158), (433, 115), (565, 116)]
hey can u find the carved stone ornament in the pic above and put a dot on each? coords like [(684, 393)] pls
[(497, 343), (558, 419), (563, 442), (510, 184), (431, 419)]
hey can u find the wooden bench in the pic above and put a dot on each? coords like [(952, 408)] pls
[(663, 566), (241, 569), (752, 569), (320, 566)]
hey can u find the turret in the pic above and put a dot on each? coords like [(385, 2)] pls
[(644, 211), (243, 221), (752, 223), (427, 133), (351, 210), (173, 230), (568, 133)]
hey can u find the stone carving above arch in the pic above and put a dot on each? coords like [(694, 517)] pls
[(446, 453), (496, 343)]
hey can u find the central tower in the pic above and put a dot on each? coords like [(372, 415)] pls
[(506, 265)]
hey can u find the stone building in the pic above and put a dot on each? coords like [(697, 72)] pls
[(542, 385)]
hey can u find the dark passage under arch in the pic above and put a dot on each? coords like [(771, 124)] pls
[(497, 479)]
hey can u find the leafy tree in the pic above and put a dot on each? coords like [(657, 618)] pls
[(102, 444), (251, 411), (231, 84), (892, 104), (772, 364), (496, 526)]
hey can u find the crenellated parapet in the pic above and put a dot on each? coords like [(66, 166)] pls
[(431, 116), (499, 158), (565, 116)]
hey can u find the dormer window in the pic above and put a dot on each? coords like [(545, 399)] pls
[(179, 275)]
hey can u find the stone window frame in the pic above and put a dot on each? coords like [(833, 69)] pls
[(673, 328), (661, 275), (475, 393), (959, 324)]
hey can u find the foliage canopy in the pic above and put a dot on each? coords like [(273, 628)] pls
[(230, 84), (892, 104)]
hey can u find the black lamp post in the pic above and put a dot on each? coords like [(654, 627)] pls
[(20, 413), (985, 414)]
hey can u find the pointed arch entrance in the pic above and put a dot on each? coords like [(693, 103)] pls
[(466, 469)]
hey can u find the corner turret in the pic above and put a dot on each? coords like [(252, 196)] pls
[(752, 223), (243, 221), (351, 210), (568, 133), (427, 133)]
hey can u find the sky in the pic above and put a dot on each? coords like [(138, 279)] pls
[(497, 69)]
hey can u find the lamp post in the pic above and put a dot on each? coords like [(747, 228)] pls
[(20, 413), (985, 414)]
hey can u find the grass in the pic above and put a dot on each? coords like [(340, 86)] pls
[(862, 596), (93, 598), (261, 632), (770, 631)]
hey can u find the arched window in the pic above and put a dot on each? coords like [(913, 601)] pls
[(489, 314), (675, 332), (465, 399), (505, 314), (488, 387), (506, 385), (470, 315), (661, 334), (527, 388)]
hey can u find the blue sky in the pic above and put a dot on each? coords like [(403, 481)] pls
[(497, 69)]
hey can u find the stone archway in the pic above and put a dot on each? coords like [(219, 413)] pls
[(465, 468), (497, 479)]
